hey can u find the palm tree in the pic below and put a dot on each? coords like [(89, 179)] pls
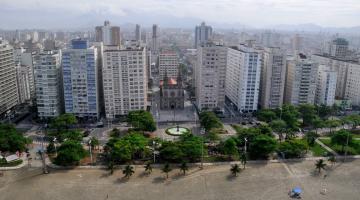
[(111, 166), (184, 167), (243, 159), (128, 171), (332, 160), (320, 164), (235, 169), (166, 170), (148, 168)]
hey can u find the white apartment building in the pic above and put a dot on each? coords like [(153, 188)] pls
[(210, 74), (169, 63), (124, 80), (301, 80), (340, 67), (273, 74), (48, 84), (326, 86), (243, 69), (352, 89), (24, 64), (8, 85)]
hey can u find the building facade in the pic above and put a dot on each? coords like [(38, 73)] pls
[(171, 93), (243, 69), (109, 35), (203, 34), (124, 80), (210, 74), (326, 86), (301, 80), (169, 64), (273, 75), (79, 69), (48, 84), (8, 85)]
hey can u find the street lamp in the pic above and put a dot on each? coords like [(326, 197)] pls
[(90, 152), (245, 145), (202, 132), (55, 146)]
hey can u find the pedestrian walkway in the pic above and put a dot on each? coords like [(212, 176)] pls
[(326, 147)]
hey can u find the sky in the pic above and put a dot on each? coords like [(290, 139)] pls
[(49, 14)]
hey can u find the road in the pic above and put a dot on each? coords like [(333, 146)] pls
[(258, 181)]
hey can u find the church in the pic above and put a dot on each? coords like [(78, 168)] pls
[(171, 93)]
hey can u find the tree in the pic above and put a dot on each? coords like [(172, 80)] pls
[(128, 171), (354, 120), (279, 126), (213, 134), (11, 140), (50, 149), (148, 168), (70, 153), (266, 130), (192, 147), (331, 123), (311, 137), (166, 169), (141, 120), (318, 123), (115, 132), (229, 147), (332, 160), (262, 146), (94, 142), (289, 114), (63, 122), (266, 115), (243, 159), (235, 169), (342, 137), (324, 110), (111, 166), (184, 168), (320, 164), (308, 113), (208, 120), (171, 152), (293, 148)]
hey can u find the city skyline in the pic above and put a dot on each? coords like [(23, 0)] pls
[(277, 14)]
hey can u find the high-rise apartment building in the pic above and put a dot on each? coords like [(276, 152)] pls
[(273, 75), (155, 40), (25, 71), (352, 88), (137, 32), (301, 80), (203, 34), (48, 84), (79, 69), (109, 35), (8, 85), (341, 68), (169, 64), (124, 80), (243, 67), (339, 48), (326, 86), (210, 74)]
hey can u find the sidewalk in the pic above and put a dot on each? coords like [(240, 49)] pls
[(326, 147)]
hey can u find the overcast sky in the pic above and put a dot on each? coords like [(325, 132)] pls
[(255, 13)]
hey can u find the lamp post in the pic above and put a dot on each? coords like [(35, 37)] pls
[(55, 146), (202, 132), (245, 145), (43, 156), (154, 150), (91, 157)]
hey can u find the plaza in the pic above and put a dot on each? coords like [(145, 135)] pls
[(257, 181)]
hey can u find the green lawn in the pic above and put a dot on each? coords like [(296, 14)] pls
[(353, 149), (318, 150)]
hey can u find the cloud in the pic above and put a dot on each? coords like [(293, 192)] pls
[(249, 12)]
